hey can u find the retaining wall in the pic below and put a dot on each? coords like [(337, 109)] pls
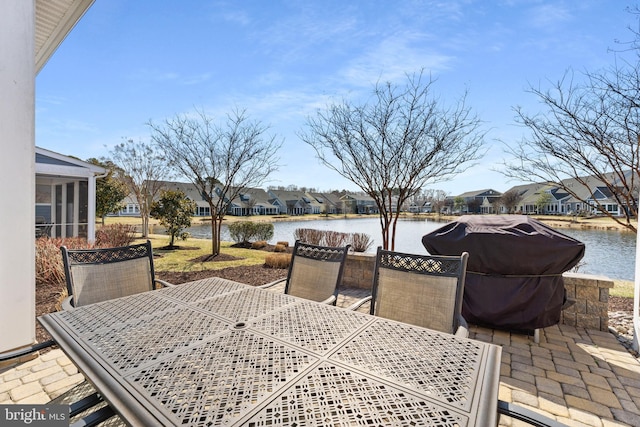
[(591, 293)]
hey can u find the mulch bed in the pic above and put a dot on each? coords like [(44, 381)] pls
[(620, 304)]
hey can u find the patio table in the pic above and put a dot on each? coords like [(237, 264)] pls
[(216, 352)]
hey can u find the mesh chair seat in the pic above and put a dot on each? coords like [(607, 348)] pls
[(421, 290), (96, 275), (315, 272)]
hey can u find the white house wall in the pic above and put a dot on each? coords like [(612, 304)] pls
[(17, 174)]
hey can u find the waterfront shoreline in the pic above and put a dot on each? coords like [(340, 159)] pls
[(556, 221)]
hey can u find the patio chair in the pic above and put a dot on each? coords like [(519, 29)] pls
[(95, 275), (314, 272), (422, 290)]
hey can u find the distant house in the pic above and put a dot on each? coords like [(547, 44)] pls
[(293, 202), (590, 192), (132, 208), (252, 201), (359, 203), (65, 195), (475, 202), (329, 202), (420, 207)]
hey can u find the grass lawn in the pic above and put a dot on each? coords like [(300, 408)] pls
[(185, 258), (622, 288)]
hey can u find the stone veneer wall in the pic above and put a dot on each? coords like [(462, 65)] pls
[(591, 293)]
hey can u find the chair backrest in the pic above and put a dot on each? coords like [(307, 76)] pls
[(95, 275), (315, 271), (421, 290)]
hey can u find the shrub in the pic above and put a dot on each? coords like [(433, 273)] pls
[(259, 244), (114, 235), (263, 231), (241, 231), (245, 231), (49, 268), (280, 247), (335, 238), (277, 260), (360, 242), (308, 235)]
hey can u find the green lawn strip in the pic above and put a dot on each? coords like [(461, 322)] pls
[(622, 288), (180, 260)]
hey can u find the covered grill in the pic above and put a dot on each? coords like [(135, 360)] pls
[(514, 273)]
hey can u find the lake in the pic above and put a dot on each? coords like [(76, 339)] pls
[(607, 253)]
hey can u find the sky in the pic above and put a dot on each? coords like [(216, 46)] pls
[(130, 62)]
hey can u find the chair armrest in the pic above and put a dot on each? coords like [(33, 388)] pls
[(27, 350), (358, 304), (270, 284), (463, 328), (532, 418), (331, 300), (164, 283), (66, 303)]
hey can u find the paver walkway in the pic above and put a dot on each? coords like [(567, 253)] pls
[(577, 376)]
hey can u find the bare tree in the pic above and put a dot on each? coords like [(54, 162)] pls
[(142, 170), (220, 160), (586, 139), (396, 144), (436, 198), (510, 200)]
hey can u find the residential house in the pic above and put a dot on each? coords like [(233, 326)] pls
[(252, 201), (329, 202), (65, 202), (420, 206), (359, 203), (590, 192), (595, 193), (475, 202), (132, 208), (294, 202), (532, 196)]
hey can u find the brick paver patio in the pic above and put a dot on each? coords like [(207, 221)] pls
[(580, 377)]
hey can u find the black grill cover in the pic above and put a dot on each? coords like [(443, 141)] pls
[(514, 273)]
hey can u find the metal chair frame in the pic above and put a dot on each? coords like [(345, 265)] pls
[(103, 256), (315, 254), (430, 265)]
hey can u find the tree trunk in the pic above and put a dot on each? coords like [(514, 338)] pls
[(145, 226), (215, 237)]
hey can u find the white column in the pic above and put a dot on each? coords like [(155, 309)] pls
[(54, 216), (17, 174), (91, 212), (63, 211), (76, 208)]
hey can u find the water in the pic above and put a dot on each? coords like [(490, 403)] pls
[(607, 253)]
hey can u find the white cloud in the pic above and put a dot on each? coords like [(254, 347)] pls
[(393, 58), (549, 16)]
